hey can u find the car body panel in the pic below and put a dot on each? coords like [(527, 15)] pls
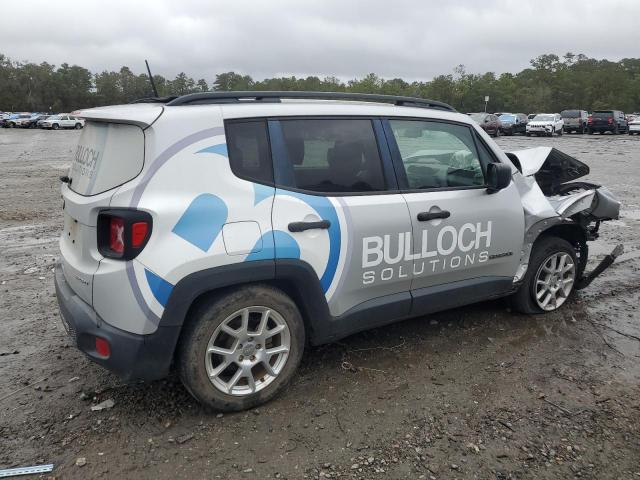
[(212, 229)]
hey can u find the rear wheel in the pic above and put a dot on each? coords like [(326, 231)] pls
[(242, 348), (550, 277), (55, 126)]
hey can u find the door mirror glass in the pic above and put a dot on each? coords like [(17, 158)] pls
[(498, 176)]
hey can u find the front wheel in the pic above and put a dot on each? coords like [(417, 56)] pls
[(242, 348), (560, 132), (550, 277), (55, 126), (78, 126), (527, 134)]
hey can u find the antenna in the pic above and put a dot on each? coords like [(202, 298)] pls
[(153, 84)]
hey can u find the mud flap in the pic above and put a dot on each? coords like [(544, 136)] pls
[(606, 262)]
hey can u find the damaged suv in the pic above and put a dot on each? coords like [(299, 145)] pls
[(219, 233)]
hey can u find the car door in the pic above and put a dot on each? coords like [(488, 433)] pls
[(337, 208), (466, 240)]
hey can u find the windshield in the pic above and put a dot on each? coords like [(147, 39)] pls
[(570, 114), (478, 117), (54, 117), (508, 118), (543, 118)]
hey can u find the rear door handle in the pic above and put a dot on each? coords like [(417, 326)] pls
[(426, 216), (302, 226)]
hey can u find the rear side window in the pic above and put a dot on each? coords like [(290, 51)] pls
[(333, 155), (107, 155), (249, 152)]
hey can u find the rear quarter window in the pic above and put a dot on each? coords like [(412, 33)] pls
[(107, 156)]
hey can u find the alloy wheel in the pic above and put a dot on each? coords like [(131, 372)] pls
[(248, 351), (554, 281)]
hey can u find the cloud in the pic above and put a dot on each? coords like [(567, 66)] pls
[(400, 38)]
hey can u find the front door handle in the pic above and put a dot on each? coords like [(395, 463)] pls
[(426, 216), (302, 226)]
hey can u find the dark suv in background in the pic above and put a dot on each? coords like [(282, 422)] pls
[(575, 120), (513, 123), (612, 121)]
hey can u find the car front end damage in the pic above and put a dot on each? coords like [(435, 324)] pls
[(554, 202)]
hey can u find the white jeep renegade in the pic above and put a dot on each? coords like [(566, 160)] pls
[(218, 233)]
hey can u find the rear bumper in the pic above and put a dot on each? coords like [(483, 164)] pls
[(133, 357), (602, 128)]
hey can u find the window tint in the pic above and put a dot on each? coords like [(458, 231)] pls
[(333, 155), (249, 153), (437, 155)]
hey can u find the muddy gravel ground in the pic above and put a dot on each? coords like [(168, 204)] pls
[(477, 392)]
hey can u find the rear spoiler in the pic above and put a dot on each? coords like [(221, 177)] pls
[(142, 115)]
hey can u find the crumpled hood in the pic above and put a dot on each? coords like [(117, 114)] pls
[(550, 166)]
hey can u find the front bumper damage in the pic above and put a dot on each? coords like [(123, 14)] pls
[(553, 200)]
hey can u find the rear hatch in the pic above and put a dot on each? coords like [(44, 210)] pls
[(602, 119), (109, 154), (571, 118)]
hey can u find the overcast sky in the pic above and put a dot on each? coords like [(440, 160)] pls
[(393, 38)]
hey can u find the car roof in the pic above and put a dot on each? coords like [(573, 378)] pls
[(327, 108)]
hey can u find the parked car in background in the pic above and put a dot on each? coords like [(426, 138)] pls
[(575, 120), (545, 124), (513, 123), (41, 120), (634, 126), (633, 116), (16, 119), (63, 120), (612, 121), (488, 122)]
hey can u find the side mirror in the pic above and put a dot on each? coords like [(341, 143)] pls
[(498, 177)]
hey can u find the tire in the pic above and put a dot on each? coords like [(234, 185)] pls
[(546, 247), (78, 126), (55, 126), (11, 125), (590, 131), (527, 134), (560, 132), (209, 324), (550, 134)]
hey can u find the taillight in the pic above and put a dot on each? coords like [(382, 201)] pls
[(610, 120), (139, 233), (116, 235), (123, 232), (103, 348), (590, 120)]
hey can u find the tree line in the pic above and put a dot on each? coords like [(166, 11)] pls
[(551, 83)]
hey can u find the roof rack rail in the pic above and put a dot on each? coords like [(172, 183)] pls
[(275, 97), (155, 99)]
